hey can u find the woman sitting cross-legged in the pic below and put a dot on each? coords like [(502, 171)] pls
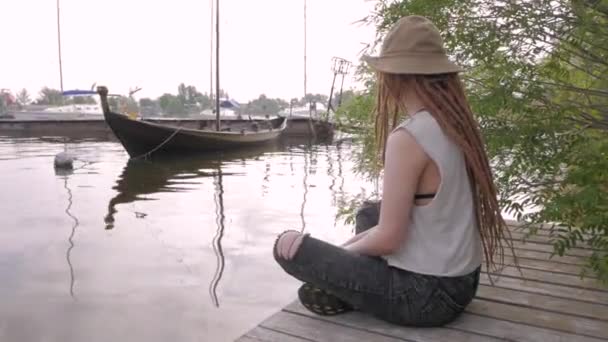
[(416, 258)]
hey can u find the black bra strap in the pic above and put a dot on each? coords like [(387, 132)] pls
[(423, 196)]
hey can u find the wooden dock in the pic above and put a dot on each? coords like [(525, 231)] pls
[(550, 302)]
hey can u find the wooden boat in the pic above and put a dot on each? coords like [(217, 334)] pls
[(143, 138)]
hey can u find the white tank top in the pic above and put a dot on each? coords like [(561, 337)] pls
[(442, 238)]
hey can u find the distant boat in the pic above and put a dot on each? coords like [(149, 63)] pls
[(314, 110), (228, 109), (82, 109), (143, 138)]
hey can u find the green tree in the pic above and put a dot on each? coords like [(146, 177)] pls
[(282, 104), (354, 116), (203, 101), (193, 100), (149, 107), (147, 102), (182, 93), (536, 75), (49, 97), (123, 104), (172, 105), (319, 98), (82, 100), (191, 94), (264, 105), (23, 97), (338, 100)]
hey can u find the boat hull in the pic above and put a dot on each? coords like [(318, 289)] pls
[(142, 138)]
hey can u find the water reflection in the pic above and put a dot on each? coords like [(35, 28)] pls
[(305, 192), (266, 182), (330, 173), (170, 257), (336, 190), (142, 178), (217, 239), (65, 174), (339, 158)]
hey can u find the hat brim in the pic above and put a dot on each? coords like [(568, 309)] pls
[(419, 64)]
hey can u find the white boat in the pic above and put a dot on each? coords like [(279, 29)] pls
[(87, 109), (228, 109), (318, 111)]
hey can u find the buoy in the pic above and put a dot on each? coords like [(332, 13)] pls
[(64, 160)]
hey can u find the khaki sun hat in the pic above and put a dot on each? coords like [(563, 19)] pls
[(413, 46)]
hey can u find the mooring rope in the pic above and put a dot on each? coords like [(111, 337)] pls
[(147, 154)]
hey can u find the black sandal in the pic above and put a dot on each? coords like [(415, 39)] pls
[(321, 302)]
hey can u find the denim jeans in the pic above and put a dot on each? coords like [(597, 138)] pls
[(370, 285)]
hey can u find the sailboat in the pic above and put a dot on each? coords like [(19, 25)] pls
[(142, 138)]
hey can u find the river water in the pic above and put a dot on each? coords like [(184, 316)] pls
[(177, 249)]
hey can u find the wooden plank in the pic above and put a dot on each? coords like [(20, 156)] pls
[(543, 229), (540, 318), (518, 225), (559, 291), (533, 246), (523, 235), (473, 326), (262, 334), (523, 253), (550, 303), (542, 239), (520, 229), (320, 330), (361, 321), (544, 265), (513, 331), (553, 278)]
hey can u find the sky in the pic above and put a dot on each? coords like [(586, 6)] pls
[(157, 44)]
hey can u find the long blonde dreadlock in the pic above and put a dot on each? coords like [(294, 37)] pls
[(444, 97)]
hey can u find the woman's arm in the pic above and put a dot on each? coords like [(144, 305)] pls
[(404, 163), (358, 236)]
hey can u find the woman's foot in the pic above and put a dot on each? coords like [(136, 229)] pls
[(321, 302)]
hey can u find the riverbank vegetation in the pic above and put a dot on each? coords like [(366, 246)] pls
[(187, 101)]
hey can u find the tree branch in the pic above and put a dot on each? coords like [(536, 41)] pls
[(601, 124), (543, 184), (595, 92)]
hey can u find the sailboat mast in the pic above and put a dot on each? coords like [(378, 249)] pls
[(211, 55), (305, 80), (217, 65), (59, 47)]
